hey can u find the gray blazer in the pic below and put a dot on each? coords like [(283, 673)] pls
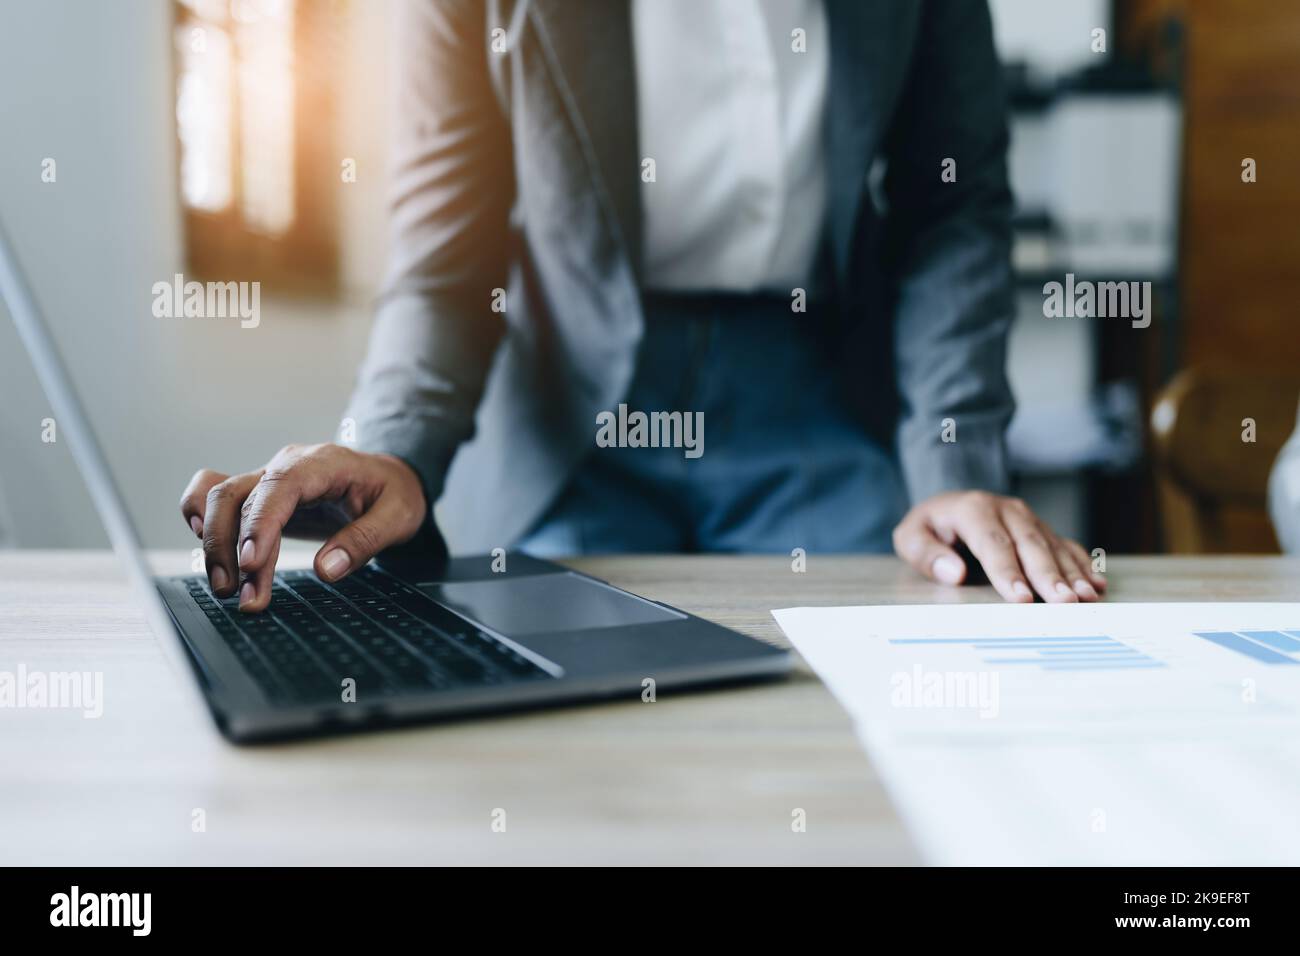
[(519, 170)]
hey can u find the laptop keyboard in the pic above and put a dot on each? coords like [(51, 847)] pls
[(375, 629)]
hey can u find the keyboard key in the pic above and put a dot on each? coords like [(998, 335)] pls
[(380, 632)]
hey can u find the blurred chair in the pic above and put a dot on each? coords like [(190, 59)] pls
[(1213, 484)]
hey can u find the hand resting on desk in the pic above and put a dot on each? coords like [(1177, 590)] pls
[(1008, 540)]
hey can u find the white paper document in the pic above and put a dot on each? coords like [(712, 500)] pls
[(1075, 734)]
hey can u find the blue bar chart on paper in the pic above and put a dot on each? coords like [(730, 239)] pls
[(1051, 653), (1177, 724), (1267, 647)]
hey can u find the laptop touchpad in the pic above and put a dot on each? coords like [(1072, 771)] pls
[(546, 602)]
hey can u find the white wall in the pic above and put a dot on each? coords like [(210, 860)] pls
[(89, 85), (1052, 36)]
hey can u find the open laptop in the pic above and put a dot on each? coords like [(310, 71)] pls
[(384, 647)]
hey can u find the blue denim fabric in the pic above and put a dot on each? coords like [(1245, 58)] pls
[(783, 465)]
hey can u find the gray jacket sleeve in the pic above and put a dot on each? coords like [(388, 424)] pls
[(950, 243), (1284, 494), (435, 332)]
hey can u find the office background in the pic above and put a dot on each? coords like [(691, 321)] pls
[(1126, 165)]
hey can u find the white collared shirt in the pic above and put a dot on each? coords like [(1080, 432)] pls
[(732, 115)]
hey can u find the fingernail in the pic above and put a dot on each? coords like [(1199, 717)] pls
[(1066, 591), (335, 563), (219, 578), (246, 594), (1021, 589), (948, 569), (1084, 588), (247, 552), (197, 525)]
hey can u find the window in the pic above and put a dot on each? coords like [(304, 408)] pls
[(256, 118)]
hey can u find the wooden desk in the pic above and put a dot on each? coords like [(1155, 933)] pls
[(700, 778)]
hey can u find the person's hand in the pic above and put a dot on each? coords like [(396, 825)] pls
[(362, 503), (1016, 550)]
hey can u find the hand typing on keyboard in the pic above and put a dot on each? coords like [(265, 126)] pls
[(361, 503), (380, 633)]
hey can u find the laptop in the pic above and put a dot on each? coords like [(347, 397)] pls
[(394, 644)]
